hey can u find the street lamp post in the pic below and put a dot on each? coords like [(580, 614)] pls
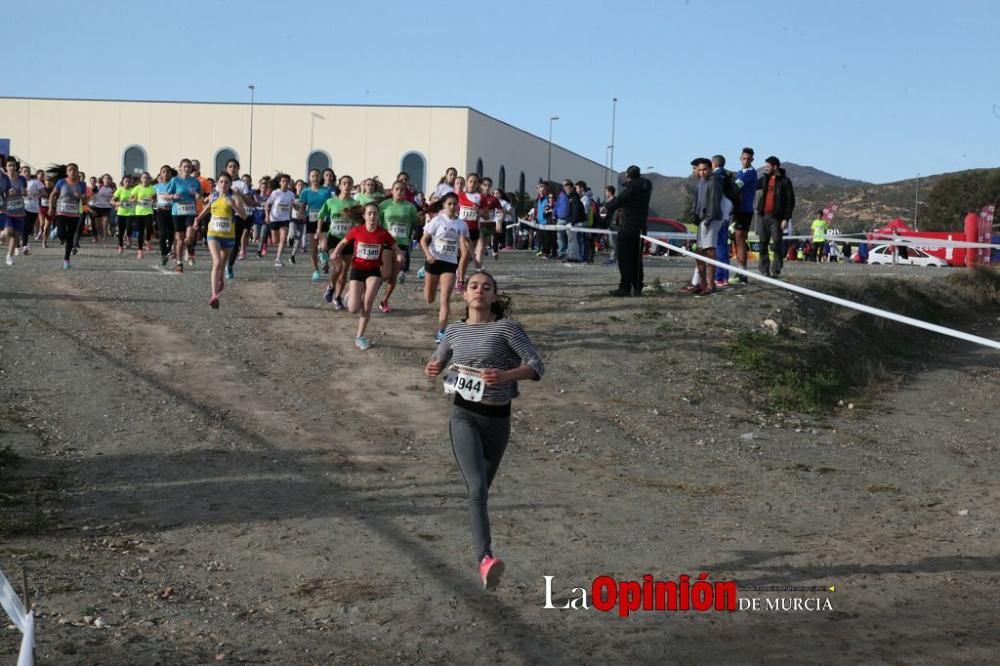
[(614, 108), (607, 166), (548, 176), (252, 88)]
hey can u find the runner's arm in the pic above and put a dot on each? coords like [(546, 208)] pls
[(424, 245)]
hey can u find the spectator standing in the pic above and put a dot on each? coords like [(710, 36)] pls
[(775, 209), (562, 215), (633, 201), (819, 229)]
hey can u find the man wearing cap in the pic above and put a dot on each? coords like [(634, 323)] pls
[(775, 208), (633, 201)]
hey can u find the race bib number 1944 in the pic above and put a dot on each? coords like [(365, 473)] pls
[(465, 381)]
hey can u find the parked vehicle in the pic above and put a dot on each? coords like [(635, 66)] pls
[(908, 255)]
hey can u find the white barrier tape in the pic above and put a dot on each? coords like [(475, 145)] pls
[(916, 241), (885, 314), (682, 235), (23, 619)]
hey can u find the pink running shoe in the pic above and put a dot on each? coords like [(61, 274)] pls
[(490, 570), (384, 306)]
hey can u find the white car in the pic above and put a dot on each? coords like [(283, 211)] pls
[(909, 255)]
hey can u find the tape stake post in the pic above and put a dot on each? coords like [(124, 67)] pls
[(867, 309), (23, 619)]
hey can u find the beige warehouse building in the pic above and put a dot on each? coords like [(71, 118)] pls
[(117, 136)]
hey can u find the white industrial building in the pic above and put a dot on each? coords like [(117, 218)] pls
[(119, 136)]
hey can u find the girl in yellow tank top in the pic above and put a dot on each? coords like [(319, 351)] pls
[(221, 231)]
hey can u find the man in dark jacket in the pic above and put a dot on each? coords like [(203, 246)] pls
[(633, 201), (775, 208), (577, 218)]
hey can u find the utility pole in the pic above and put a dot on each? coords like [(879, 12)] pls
[(548, 176), (252, 88)]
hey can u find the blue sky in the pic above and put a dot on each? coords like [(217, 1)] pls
[(877, 90)]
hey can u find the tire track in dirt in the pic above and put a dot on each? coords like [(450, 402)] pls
[(188, 375)]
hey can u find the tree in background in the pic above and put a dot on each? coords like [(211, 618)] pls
[(953, 196)]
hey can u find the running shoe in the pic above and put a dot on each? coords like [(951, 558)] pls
[(229, 273), (26, 251), (317, 276), (164, 259), (421, 273), (401, 279), (139, 255), (76, 250), (339, 303), (17, 252), (384, 306), (328, 294), (65, 265), (459, 287), (490, 570), (10, 260), (179, 268), (539, 254), (242, 255), (326, 268), (191, 260), (439, 337), (324, 258), (120, 249), (291, 257), (214, 302), (361, 342), (495, 255)]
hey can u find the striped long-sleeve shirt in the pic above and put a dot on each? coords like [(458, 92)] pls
[(502, 345)]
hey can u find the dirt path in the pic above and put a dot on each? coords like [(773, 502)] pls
[(245, 487)]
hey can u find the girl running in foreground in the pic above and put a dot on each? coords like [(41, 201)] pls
[(371, 263), (223, 206), (443, 238), (488, 355)]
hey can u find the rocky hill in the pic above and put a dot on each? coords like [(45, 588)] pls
[(861, 205)]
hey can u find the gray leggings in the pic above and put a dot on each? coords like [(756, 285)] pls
[(478, 443)]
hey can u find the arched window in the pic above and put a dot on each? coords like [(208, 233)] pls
[(221, 157), (520, 183), (414, 164), (502, 178), (479, 167), (134, 160), (318, 159)]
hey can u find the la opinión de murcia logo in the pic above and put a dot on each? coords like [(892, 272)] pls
[(701, 595), (606, 593)]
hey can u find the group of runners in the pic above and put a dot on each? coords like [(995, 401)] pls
[(362, 238)]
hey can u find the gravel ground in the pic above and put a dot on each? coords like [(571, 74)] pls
[(244, 486)]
